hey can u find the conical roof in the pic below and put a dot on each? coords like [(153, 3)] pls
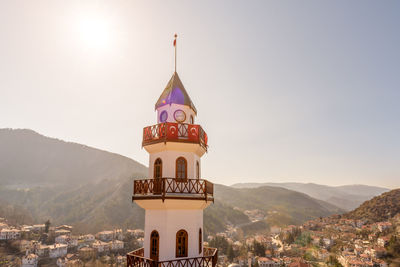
[(175, 93)]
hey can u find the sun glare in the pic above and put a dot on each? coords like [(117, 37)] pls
[(95, 32)]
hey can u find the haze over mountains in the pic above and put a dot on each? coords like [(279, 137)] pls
[(45, 178), (347, 197), (30, 159)]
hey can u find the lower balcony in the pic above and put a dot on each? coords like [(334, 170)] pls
[(173, 188), (136, 259)]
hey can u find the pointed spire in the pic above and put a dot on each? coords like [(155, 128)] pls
[(175, 93)]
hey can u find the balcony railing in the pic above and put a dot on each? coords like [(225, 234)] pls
[(136, 259), (175, 132), (173, 188)]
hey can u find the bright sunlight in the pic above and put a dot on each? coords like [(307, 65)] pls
[(96, 33)]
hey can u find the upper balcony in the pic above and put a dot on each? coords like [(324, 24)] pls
[(173, 188), (175, 132)]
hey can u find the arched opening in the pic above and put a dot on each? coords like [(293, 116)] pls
[(197, 169), (157, 175), (191, 119), (158, 168), (181, 168), (181, 244), (154, 245), (200, 241)]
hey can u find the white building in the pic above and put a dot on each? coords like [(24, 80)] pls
[(105, 235), (135, 233), (116, 245), (275, 230), (68, 240), (328, 242), (30, 260), (100, 246), (62, 232), (140, 241), (10, 234), (64, 227), (41, 250), (69, 261), (3, 225), (174, 205), (268, 262), (62, 239), (382, 226), (88, 238), (118, 234), (58, 250), (38, 227)]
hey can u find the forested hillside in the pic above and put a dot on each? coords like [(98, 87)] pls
[(29, 159), (282, 206), (380, 208), (44, 178)]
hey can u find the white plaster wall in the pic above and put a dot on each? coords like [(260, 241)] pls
[(173, 204), (169, 163), (172, 108), (168, 223)]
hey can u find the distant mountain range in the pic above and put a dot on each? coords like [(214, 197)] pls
[(45, 178), (347, 197), (281, 206)]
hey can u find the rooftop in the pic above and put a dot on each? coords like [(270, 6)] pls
[(175, 93)]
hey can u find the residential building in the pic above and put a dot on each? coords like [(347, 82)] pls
[(57, 250), (29, 260)]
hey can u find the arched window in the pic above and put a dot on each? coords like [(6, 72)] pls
[(154, 245), (197, 170), (191, 119), (200, 241), (158, 168), (181, 168), (181, 244)]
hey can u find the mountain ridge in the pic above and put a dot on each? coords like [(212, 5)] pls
[(346, 197), (379, 208), (70, 183), (30, 149)]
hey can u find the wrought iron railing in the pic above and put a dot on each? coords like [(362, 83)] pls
[(136, 259), (175, 132), (173, 188)]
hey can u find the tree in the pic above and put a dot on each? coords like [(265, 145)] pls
[(243, 251), (321, 242), (289, 239), (393, 247), (230, 253), (221, 243), (304, 239), (47, 226), (333, 262), (259, 249)]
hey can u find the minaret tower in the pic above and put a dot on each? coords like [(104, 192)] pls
[(174, 195)]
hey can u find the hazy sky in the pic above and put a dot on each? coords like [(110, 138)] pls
[(305, 91)]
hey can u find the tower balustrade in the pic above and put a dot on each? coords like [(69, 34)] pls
[(175, 132), (210, 259), (173, 188)]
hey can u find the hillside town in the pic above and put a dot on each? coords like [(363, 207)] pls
[(42, 244), (330, 241)]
